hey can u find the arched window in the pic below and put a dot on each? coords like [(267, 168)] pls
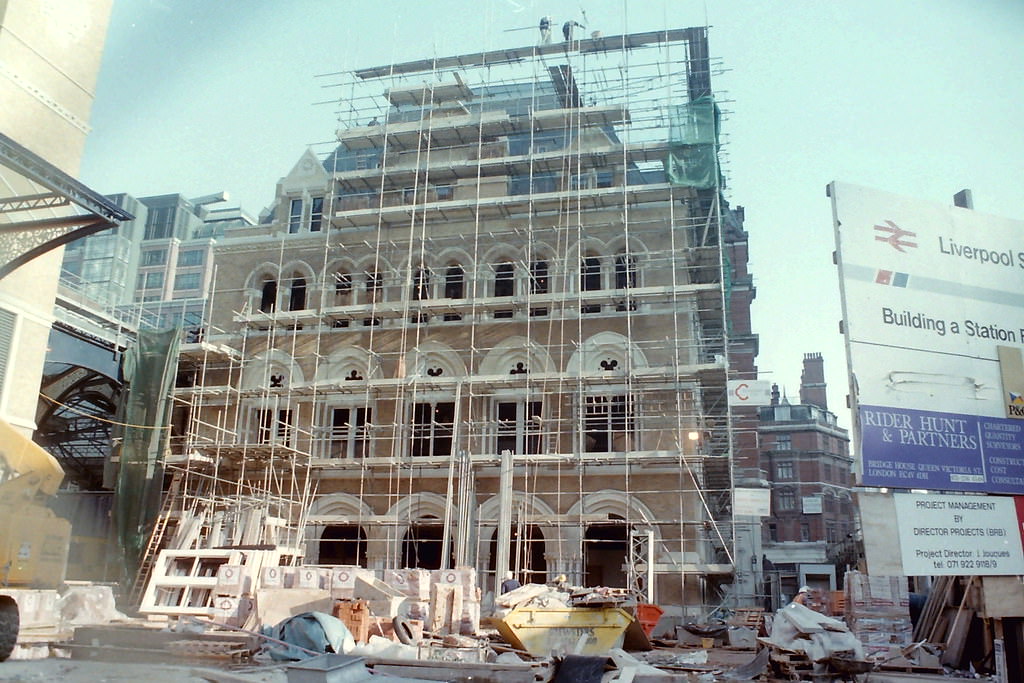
[(268, 296), (625, 272), (423, 543), (590, 280), (454, 288), (374, 285), (590, 274), (455, 283), (342, 288), (297, 293), (504, 280), (421, 285), (605, 546), (504, 285), (539, 282), (343, 544), (625, 278)]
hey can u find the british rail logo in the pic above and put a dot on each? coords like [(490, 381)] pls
[(895, 236)]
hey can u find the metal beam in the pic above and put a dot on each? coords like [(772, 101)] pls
[(33, 167), (46, 200)]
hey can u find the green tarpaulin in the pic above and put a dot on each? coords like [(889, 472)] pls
[(693, 144), (149, 367)]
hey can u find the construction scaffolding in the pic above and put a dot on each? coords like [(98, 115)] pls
[(488, 328)]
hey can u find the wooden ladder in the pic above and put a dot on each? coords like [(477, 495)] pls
[(156, 538)]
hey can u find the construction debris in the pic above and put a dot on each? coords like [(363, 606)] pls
[(803, 643)]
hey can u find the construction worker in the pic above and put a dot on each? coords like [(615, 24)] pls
[(802, 596), (510, 583), (545, 29), (567, 28)]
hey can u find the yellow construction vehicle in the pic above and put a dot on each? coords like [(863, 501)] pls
[(34, 542)]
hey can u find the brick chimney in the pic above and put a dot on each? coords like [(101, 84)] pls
[(812, 381)]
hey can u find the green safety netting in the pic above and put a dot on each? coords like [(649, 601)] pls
[(149, 367), (692, 159)]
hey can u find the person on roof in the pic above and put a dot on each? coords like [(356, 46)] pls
[(545, 29), (567, 28)]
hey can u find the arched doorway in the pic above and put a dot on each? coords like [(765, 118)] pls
[(343, 544), (605, 548), (422, 544), (525, 554)]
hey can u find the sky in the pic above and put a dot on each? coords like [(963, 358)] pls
[(919, 98)]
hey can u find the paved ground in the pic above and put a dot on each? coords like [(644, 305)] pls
[(79, 671), (87, 671)]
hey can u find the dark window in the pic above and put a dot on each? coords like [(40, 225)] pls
[(590, 274), (504, 285), (349, 436), (343, 544), (295, 216), (421, 285), (590, 280), (269, 430), (159, 223), (519, 427), (454, 283), (504, 280), (342, 288), (297, 295), (454, 288), (625, 272), (432, 428), (316, 214), (268, 296), (539, 277), (373, 284), (607, 424)]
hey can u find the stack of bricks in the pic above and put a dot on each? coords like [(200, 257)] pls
[(877, 611)]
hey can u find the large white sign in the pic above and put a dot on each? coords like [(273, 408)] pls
[(933, 313), (750, 392), (752, 502), (955, 535)]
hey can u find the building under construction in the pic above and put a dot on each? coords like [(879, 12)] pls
[(491, 327)]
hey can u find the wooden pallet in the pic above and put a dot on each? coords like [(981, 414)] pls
[(750, 617)]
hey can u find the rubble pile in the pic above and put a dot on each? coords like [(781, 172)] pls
[(878, 612)]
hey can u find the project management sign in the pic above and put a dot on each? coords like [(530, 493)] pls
[(933, 313), (957, 535)]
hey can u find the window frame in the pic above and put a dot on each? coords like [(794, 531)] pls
[(618, 412), (519, 432), (272, 425), (425, 436), (316, 213), (295, 211), (355, 440)]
